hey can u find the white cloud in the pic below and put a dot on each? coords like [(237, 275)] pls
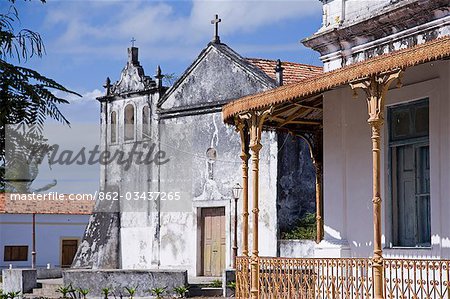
[(92, 95), (105, 27), (82, 109), (248, 16), (89, 96)]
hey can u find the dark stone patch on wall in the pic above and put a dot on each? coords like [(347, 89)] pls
[(296, 182), (100, 246)]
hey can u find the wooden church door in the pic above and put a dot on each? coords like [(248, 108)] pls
[(68, 251), (213, 241)]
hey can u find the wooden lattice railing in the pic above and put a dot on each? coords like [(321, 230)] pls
[(314, 278), (242, 277), (307, 278)]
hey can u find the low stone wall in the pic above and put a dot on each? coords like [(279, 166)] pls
[(43, 273), (296, 248), (117, 280), (19, 280)]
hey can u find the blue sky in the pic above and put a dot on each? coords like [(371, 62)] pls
[(86, 41)]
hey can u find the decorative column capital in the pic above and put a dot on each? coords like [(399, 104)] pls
[(376, 88), (256, 121)]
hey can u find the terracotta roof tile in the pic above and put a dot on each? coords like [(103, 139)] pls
[(293, 72), (12, 203)]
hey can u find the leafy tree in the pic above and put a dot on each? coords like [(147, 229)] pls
[(304, 230), (26, 96), (170, 79)]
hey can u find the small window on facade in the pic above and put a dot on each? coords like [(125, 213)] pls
[(15, 253), (211, 154), (113, 127), (129, 122), (145, 122), (409, 150)]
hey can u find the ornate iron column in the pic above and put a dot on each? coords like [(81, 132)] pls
[(256, 122), (376, 88)]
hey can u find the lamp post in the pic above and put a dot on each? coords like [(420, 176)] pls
[(237, 189), (33, 240)]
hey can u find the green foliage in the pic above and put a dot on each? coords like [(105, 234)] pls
[(131, 291), (64, 290), (216, 283), (304, 230), (26, 96), (83, 293), (158, 292), (232, 285), (170, 79), (106, 292), (12, 295), (181, 291)]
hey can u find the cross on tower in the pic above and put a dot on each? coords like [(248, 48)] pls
[(216, 22), (132, 41)]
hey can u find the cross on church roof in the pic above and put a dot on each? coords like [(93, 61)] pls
[(216, 22), (132, 41)]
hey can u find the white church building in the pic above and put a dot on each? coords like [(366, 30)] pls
[(178, 212)]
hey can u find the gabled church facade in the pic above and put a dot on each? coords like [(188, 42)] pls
[(190, 224)]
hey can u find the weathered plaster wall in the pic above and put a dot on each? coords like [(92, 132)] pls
[(216, 78), (135, 221), (348, 167), (116, 225), (297, 248), (356, 30), (296, 181), (338, 11)]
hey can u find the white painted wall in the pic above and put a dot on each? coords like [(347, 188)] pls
[(348, 167), (336, 12), (180, 233), (16, 229), (356, 30)]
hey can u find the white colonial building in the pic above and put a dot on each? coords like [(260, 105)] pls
[(384, 107)]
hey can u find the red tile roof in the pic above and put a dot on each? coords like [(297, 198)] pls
[(13, 203), (293, 72)]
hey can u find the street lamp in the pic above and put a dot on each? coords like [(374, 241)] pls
[(237, 189)]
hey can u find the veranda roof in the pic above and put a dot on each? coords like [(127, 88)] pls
[(304, 99)]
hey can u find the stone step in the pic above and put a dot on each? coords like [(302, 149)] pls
[(204, 290), (44, 290)]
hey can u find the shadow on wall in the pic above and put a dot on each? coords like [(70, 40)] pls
[(296, 182)]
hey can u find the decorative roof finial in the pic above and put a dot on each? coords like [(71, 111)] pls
[(279, 73), (132, 42), (159, 76), (215, 22), (107, 85)]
